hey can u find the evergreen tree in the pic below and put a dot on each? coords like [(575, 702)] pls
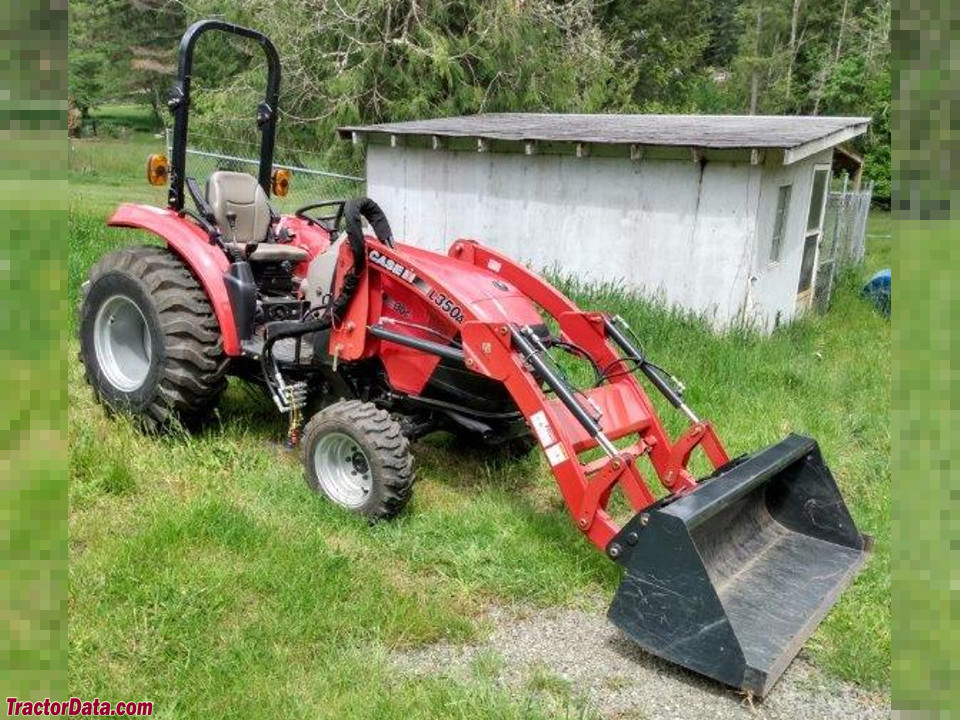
[(664, 41), (726, 26)]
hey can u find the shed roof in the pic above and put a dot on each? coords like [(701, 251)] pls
[(795, 134)]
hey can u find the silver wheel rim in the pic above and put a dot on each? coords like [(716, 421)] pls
[(122, 343), (342, 469)]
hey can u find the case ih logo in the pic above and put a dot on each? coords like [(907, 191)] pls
[(401, 271), (392, 266)]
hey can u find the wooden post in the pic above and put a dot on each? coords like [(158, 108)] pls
[(858, 178)]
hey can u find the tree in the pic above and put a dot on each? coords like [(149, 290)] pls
[(122, 49), (760, 66), (85, 72), (830, 67), (85, 80), (725, 28), (794, 22), (857, 82), (664, 41)]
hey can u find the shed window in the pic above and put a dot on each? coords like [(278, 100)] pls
[(815, 216), (780, 222)]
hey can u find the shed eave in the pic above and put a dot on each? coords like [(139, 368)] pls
[(439, 137), (805, 150)]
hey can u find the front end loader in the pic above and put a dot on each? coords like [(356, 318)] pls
[(381, 343)]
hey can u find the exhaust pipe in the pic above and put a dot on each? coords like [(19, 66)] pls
[(730, 579)]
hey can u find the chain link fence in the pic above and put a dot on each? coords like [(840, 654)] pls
[(844, 238), (308, 184)]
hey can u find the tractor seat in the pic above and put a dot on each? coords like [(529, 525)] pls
[(240, 193)]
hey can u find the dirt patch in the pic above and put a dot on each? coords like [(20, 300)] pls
[(583, 653)]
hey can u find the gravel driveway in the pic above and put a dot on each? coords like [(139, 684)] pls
[(590, 661)]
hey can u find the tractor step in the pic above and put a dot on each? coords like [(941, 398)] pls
[(730, 579)]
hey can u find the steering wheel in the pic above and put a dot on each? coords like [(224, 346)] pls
[(331, 222)]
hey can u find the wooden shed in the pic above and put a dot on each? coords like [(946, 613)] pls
[(721, 215)]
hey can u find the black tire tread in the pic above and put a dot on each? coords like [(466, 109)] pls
[(378, 429), (193, 375)]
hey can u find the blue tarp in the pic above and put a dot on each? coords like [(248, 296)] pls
[(877, 290)]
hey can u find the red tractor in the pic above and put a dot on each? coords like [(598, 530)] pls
[(726, 575)]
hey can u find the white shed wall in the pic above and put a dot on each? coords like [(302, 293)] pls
[(775, 289), (676, 229)]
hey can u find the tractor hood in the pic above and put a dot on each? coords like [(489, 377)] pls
[(479, 292)]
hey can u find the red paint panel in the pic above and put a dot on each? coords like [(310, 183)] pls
[(533, 286), (483, 295), (312, 238), (623, 414), (349, 339), (441, 282), (405, 310)]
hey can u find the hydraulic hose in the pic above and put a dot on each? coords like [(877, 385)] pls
[(353, 211), (285, 329)]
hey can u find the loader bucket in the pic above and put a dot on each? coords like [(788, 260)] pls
[(729, 580)]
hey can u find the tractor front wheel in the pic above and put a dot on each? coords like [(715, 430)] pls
[(357, 455), (149, 340)]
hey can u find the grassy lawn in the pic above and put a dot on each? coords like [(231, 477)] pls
[(206, 577), (121, 120)]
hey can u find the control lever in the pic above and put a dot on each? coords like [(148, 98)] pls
[(232, 222)]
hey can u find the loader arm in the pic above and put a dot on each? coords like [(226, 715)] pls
[(567, 422), (570, 423), (623, 407)]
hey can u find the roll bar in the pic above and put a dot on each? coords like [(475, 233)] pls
[(179, 104)]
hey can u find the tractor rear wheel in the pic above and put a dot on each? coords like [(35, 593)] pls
[(357, 455), (149, 340)]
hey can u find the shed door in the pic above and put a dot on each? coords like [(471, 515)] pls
[(812, 234)]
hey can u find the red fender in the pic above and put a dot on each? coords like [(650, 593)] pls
[(192, 245)]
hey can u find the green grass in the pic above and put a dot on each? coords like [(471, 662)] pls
[(122, 120), (103, 172), (206, 577)]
